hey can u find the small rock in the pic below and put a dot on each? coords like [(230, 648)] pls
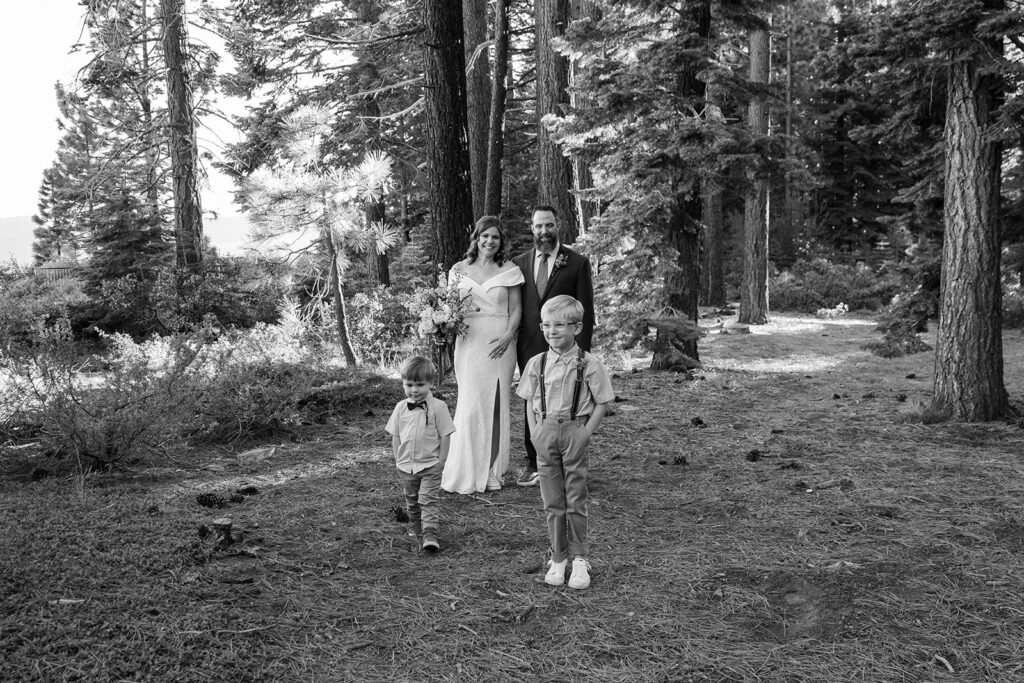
[(754, 455), (911, 376)]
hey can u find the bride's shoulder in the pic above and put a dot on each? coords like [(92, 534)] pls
[(460, 267), (510, 271)]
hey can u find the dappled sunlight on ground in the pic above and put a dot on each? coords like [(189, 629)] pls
[(780, 324)]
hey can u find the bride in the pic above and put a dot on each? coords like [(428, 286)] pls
[(485, 357)]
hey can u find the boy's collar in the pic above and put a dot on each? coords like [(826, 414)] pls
[(571, 351)]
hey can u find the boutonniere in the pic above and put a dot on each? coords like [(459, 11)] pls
[(561, 261)]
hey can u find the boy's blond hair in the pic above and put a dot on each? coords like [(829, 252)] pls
[(563, 308), (419, 369)]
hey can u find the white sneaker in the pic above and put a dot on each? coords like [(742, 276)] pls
[(580, 577), (556, 573)]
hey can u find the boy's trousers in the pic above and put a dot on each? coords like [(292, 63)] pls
[(562, 462), (422, 492)]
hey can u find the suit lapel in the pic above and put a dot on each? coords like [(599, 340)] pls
[(555, 271)]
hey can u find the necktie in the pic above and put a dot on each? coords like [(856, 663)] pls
[(542, 274)]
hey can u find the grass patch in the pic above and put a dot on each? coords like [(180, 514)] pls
[(853, 546)]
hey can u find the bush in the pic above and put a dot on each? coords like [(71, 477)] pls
[(103, 419), (382, 325), (28, 303), (202, 385), (1013, 307), (256, 380), (811, 285)]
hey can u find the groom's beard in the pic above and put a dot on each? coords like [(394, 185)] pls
[(545, 244)]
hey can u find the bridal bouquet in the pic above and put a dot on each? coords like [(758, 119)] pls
[(441, 312)]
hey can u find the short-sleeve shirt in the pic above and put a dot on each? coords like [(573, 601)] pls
[(419, 432), (560, 382)]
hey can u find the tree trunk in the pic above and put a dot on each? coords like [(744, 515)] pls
[(496, 121), (445, 107), (682, 287), (712, 269), (712, 290), (478, 97), (555, 170), (754, 292), (377, 266), (188, 217), (341, 318), (969, 347), (582, 180), (782, 237)]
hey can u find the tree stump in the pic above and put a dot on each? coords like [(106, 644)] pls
[(222, 525)]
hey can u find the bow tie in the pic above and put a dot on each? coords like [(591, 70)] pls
[(413, 405)]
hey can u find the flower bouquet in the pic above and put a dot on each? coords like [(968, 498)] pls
[(441, 311)]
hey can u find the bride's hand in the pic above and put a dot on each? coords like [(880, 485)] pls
[(501, 344)]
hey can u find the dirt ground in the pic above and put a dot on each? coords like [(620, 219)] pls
[(785, 515)]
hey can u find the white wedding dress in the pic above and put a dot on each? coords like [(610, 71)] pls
[(485, 384)]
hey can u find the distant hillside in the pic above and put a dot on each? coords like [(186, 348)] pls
[(227, 233)]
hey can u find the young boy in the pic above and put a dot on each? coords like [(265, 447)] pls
[(420, 429), (567, 391)]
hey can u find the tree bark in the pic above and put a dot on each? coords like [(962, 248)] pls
[(683, 289), (188, 216), (496, 120), (712, 270), (582, 180), (969, 348), (338, 294), (377, 265), (478, 97), (683, 283), (555, 170), (445, 108), (754, 292)]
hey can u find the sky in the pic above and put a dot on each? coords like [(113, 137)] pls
[(36, 37)]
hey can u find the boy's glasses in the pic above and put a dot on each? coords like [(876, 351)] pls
[(554, 326)]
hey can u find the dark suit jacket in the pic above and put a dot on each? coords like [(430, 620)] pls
[(574, 279)]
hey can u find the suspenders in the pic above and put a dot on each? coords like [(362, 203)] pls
[(580, 367)]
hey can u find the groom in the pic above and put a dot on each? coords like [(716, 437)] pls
[(550, 269)]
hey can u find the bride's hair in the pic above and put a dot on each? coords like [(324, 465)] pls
[(485, 223)]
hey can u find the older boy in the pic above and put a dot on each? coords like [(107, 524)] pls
[(566, 389)]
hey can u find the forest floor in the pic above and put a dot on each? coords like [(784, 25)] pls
[(783, 516)]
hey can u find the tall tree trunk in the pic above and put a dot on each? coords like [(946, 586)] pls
[(969, 346), (683, 285), (445, 106), (338, 294), (582, 180), (478, 97), (496, 120), (782, 237), (152, 138), (754, 292), (712, 270), (555, 170), (188, 216), (377, 266)]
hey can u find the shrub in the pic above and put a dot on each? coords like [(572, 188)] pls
[(810, 285), (256, 380), (1013, 307), (28, 303), (382, 325), (101, 419)]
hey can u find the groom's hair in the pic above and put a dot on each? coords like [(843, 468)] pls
[(419, 369), (563, 308)]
